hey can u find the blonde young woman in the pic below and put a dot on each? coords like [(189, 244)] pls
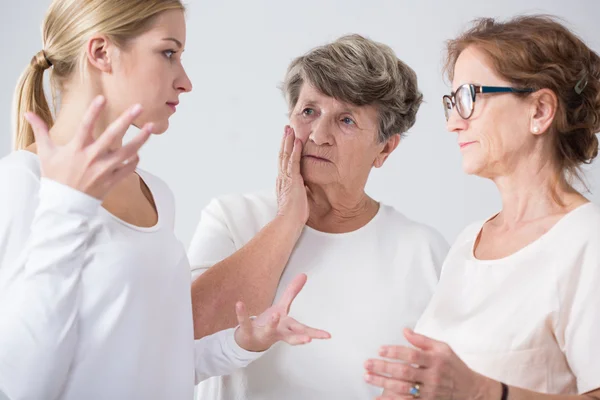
[(94, 286)]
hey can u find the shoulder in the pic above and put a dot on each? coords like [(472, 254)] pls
[(19, 175), (20, 164), (409, 229), (258, 207)]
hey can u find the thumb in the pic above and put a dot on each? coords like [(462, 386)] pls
[(419, 341)]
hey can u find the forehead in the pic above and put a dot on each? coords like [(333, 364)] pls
[(308, 93), (473, 66), (168, 24)]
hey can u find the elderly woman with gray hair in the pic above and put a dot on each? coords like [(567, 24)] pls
[(371, 270)]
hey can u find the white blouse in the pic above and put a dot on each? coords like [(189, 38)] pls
[(531, 319)]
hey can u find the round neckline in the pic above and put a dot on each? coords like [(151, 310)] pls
[(107, 213), (350, 233), (527, 248)]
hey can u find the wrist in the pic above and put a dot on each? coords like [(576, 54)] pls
[(291, 224), (488, 389), (246, 344)]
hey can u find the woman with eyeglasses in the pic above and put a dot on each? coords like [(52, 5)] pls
[(516, 312)]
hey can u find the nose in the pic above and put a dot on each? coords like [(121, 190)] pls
[(455, 122), (321, 132), (183, 82)]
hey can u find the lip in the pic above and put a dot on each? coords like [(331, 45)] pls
[(173, 105), (316, 158), (465, 144)]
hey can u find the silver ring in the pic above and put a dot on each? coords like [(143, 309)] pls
[(415, 391)]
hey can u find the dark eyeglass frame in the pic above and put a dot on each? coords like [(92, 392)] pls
[(474, 90)]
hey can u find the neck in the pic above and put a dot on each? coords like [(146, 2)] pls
[(532, 192), (339, 210), (74, 106)]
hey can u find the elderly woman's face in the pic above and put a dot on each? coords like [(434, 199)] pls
[(340, 140), (497, 137)]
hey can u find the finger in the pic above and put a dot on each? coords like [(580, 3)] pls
[(395, 370), (286, 132), (299, 328), (292, 291), (134, 144), (296, 340), (126, 168), (274, 322), (243, 317), (294, 163), (40, 131), (407, 354), (85, 135), (419, 341), (388, 394), (287, 151), (398, 388), (117, 129)]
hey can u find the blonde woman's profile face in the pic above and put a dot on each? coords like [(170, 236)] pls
[(149, 71)]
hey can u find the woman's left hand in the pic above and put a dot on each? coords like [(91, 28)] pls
[(273, 325), (429, 371)]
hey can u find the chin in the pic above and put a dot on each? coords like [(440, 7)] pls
[(160, 127), (315, 177), (473, 167)]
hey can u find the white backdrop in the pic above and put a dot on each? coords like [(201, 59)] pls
[(225, 135)]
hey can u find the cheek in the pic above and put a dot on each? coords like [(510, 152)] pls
[(301, 128)]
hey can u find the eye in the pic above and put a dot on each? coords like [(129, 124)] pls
[(348, 121), (169, 53), (308, 112)]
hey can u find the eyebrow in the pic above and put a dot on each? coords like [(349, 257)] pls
[(177, 42)]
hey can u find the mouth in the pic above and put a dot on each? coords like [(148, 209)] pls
[(316, 158), (465, 144), (173, 105)]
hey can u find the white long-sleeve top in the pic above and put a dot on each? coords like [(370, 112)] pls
[(92, 307), (363, 287)]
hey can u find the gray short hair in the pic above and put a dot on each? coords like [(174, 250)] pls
[(359, 71)]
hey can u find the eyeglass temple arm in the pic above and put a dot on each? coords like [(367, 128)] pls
[(501, 89)]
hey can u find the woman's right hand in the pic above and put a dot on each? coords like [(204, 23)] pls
[(292, 200), (87, 164)]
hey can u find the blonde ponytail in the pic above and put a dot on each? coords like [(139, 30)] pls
[(30, 97)]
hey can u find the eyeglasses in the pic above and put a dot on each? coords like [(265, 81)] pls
[(464, 98)]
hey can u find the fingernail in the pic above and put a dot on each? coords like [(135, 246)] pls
[(99, 100), (383, 351), (27, 116), (369, 364), (135, 109), (286, 131), (368, 377), (150, 127)]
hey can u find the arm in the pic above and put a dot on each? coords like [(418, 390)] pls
[(39, 293), (224, 351), (42, 256), (252, 273)]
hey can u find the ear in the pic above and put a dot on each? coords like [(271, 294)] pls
[(100, 53), (388, 148), (543, 109)]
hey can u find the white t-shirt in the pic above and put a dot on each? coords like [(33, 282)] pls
[(363, 287), (92, 307), (531, 319)]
